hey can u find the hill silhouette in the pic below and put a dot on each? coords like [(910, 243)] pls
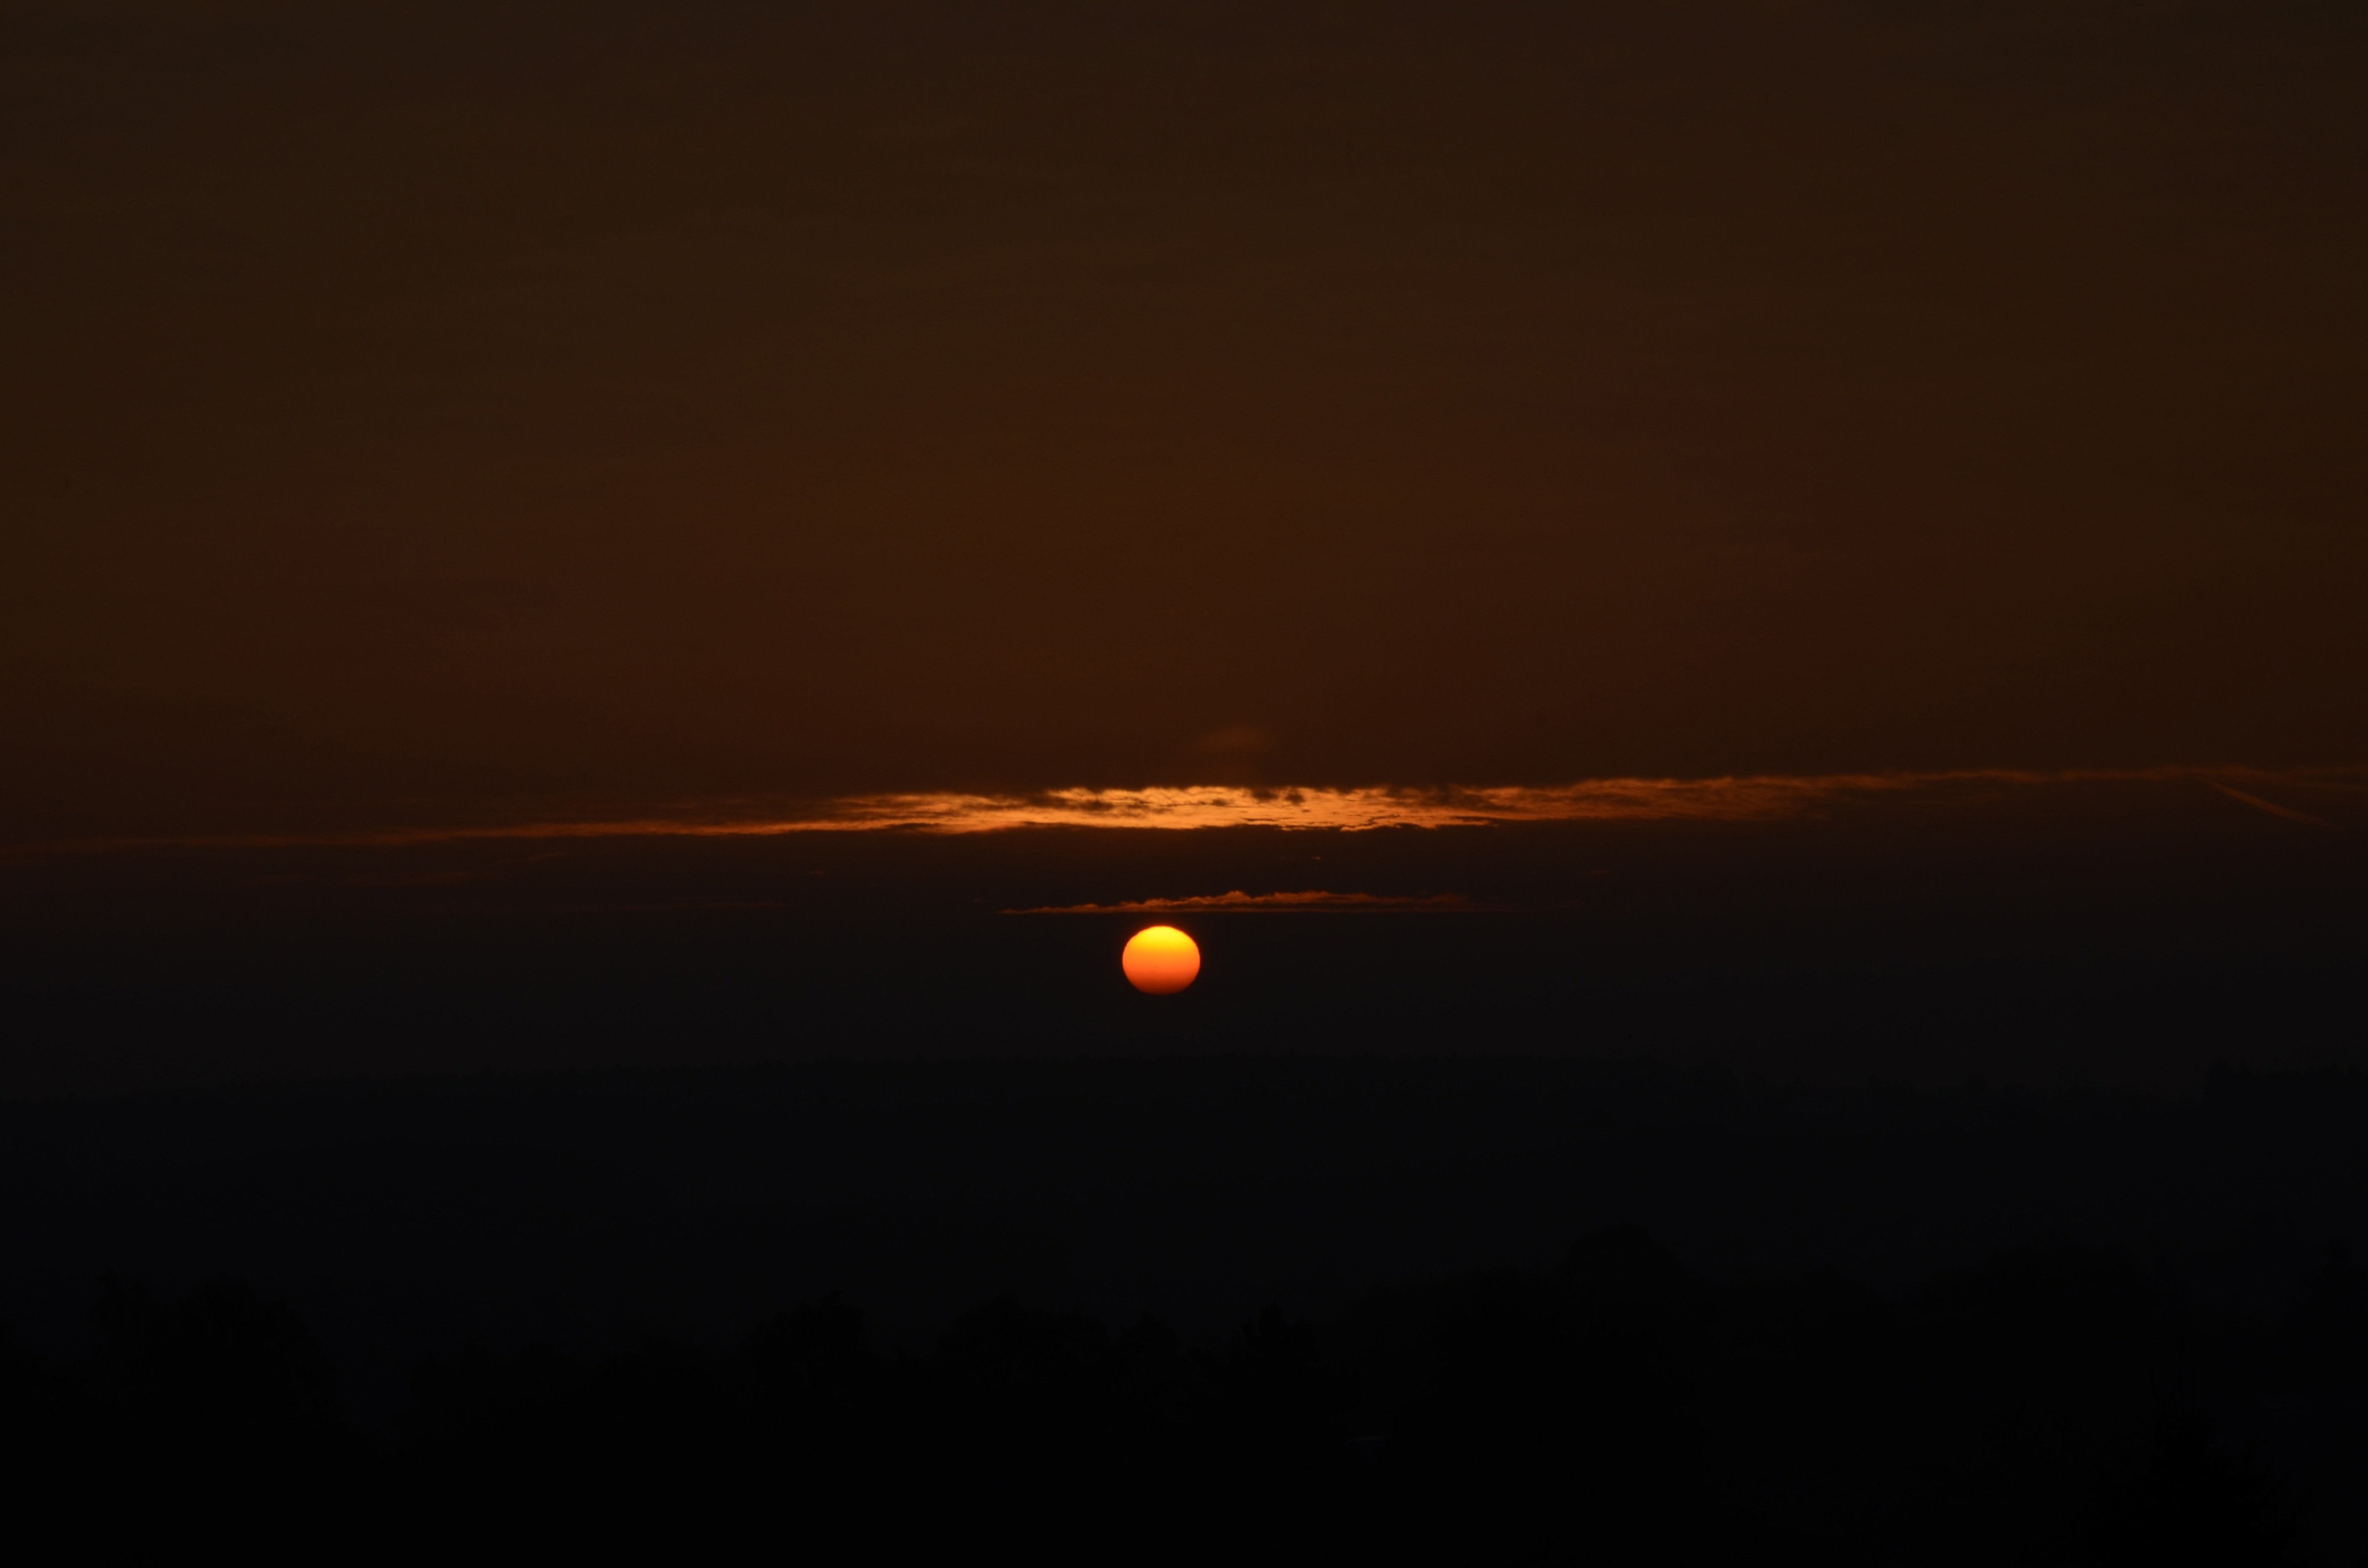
[(2061, 1404)]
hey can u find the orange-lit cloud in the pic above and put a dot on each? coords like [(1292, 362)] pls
[(1246, 903), (1758, 796), (2271, 806)]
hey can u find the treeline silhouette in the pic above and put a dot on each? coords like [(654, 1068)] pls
[(2050, 1405)]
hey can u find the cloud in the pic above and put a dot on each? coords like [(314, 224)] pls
[(1245, 902), (1747, 797), (2269, 806)]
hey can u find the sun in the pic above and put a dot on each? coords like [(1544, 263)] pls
[(1161, 959)]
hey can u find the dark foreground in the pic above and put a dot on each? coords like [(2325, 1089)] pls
[(2050, 1405), (1872, 1324)]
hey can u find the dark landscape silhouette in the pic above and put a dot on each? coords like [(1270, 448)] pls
[(2150, 1344), (2059, 1404)]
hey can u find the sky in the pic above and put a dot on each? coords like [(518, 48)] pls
[(436, 415), (1824, 538)]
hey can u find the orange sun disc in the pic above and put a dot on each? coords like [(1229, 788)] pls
[(1161, 959)]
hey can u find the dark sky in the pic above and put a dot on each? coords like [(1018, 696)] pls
[(420, 410)]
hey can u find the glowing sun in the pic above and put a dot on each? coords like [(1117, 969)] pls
[(1161, 959)]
